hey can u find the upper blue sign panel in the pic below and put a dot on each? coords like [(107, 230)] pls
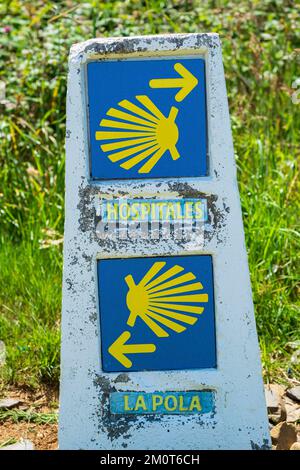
[(157, 313), (147, 118)]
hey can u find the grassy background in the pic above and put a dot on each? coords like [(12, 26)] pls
[(260, 42)]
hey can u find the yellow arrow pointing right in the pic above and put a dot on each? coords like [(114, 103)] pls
[(119, 348), (186, 83)]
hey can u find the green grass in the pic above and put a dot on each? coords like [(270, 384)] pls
[(30, 302), (260, 41), (29, 417), (8, 442)]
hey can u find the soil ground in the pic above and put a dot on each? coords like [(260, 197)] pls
[(42, 435), (44, 402)]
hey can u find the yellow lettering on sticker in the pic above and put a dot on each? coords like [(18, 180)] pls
[(126, 404), (123, 211), (188, 210), (161, 207), (195, 403), (112, 211), (140, 403), (199, 210), (157, 401), (181, 401), (135, 211), (153, 210), (145, 210), (170, 212), (179, 214), (167, 405)]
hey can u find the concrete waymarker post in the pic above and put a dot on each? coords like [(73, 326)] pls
[(159, 344)]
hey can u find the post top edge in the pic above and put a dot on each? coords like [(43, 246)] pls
[(134, 44)]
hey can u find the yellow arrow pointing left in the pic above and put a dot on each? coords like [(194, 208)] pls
[(119, 348)]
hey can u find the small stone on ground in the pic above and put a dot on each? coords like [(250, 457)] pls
[(286, 437), (295, 446), (275, 431), (294, 393), (273, 393), (9, 403)]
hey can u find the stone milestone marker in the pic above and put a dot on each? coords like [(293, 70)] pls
[(159, 345)]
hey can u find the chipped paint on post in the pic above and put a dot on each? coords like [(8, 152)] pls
[(87, 421)]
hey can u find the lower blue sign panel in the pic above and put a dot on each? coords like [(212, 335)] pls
[(157, 313), (197, 402)]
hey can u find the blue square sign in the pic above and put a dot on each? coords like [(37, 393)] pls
[(157, 313), (147, 118)]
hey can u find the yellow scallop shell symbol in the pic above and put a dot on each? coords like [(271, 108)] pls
[(138, 134), (167, 298)]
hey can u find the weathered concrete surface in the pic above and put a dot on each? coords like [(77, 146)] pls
[(240, 419)]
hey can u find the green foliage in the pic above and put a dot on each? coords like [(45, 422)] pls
[(29, 417), (260, 42), (29, 320), (8, 442)]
